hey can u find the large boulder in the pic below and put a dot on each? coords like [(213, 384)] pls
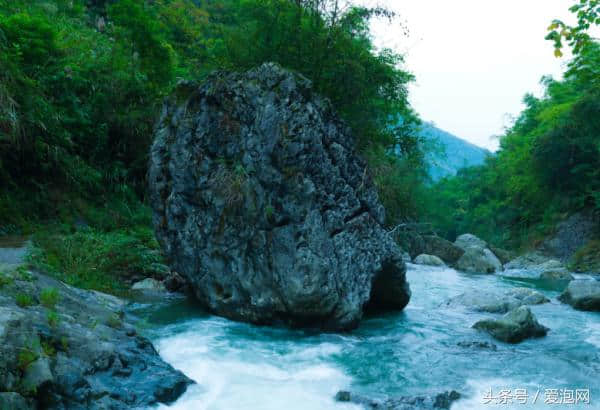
[(442, 248), (514, 327), (479, 260), (429, 260), (468, 240), (582, 295), (260, 200)]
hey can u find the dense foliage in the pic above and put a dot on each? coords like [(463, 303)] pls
[(548, 165), (82, 82)]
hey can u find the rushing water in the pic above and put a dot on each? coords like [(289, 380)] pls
[(416, 352)]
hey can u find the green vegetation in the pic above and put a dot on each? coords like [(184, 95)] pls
[(49, 297), (548, 165), (24, 300), (5, 279), (83, 81), (53, 318)]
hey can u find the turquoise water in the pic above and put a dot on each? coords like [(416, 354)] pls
[(240, 366)]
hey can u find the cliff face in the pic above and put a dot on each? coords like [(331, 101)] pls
[(261, 201)]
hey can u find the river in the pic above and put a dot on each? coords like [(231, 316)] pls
[(415, 352)]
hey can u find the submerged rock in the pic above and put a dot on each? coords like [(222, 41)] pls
[(260, 200), (478, 260), (80, 351), (440, 401), (496, 302), (514, 327), (429, 260), (582, 295), (478, 345), (468, 240)]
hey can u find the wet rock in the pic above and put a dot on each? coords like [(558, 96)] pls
[(468, 240), (87, 357), (440, 401), (582, 295), (429, 260), (149, 285), (479, 260), (478, 345), (498, 302), (557, 275), (514, 327), (261, 202), (503, 255), (442, 248)]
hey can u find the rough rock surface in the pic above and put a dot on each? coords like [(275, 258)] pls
[(261, 202), (557, 275), (149, 285), (429, 260), (514, 327), (533, 261), (78, 352), (582, 295), (479, 260), (571, 234), (440, 401), (442, 248), (468, 240), (498, 302)]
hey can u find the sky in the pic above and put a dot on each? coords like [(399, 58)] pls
[(474, 60)]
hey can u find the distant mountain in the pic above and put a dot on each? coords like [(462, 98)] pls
[(450, 153)]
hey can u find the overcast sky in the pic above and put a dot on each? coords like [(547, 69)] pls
[(473, 59)]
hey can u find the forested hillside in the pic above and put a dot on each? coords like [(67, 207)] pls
[(449, 153), (547, 168)]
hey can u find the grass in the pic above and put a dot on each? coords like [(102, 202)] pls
[(49, 297), (53, 319), (24, 300)]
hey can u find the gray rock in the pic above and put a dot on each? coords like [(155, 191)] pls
[(429, 260), (582, 295), (261, 202), (514, 327), (571, 235), (13, 401), (557, 275), (89, 357), (529, 261), (491, 302), (468, 240), (440, 401), (479, 260), (37, 374), (502, 254), (442, 248), (149, 285)]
